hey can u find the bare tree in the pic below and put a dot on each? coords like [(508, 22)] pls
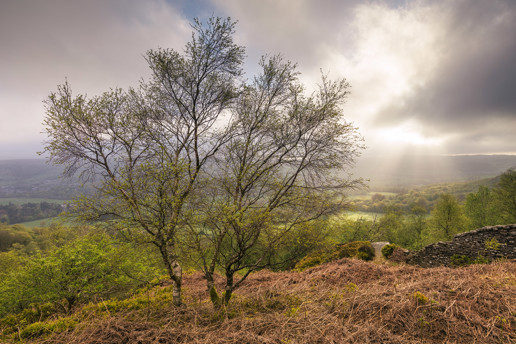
[(146, 148), (279, 169)]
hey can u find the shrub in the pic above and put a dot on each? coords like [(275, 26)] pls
[(77, 272), (387, 250), (364, 256), (355, 249), (352, 249), (366, 252), (308, 262)]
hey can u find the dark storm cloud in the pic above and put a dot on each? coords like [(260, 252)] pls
[(472, 94)]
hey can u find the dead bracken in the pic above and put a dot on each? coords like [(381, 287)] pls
[(473, 304)]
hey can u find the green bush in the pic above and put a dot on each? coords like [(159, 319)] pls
[(308, 262), (387, 250), (87, 268), (352, 250), (364, 256), (366, 252)]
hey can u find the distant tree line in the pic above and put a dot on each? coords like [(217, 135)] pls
[(415, 224), (18, 213)]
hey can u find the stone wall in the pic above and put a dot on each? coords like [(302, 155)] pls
[(487, 242)]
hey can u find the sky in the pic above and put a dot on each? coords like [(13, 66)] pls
[(427, 76)]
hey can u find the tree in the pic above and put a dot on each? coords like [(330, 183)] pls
[(479, 207), (145, 148), (277, 172), (409, 233), (505, 196), (446, 219), (389, 224)]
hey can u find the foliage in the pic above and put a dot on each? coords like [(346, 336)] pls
[(275, 175), (460, 260), (463, 260), (505, 196), (146, 147), (16, 213), (10, 235), (492, 244), (480, 208), (359, 249), (86, 268), (387, 250), (447, 219), (420, 298), (314, 238), (308, 262), (39, 329)]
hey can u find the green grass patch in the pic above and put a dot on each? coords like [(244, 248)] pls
[(41, 223), (355, 215)]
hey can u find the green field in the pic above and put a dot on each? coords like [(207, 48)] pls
[(368, 195), (355, 215), (40, 222), (23, 200)]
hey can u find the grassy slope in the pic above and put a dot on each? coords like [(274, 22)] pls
[(346, 301), (40, 223)]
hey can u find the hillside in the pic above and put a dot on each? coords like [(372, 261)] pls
[(36, 179), (387, 172), (346, 301)]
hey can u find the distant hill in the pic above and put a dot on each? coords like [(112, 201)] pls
[(410, 171), (34, 178)]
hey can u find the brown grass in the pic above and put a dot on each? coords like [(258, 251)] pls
[(347, 301)]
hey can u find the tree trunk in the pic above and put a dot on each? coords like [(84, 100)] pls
[(227, 296), (228, 292), (177, 278), (212, 291), (175, 272)]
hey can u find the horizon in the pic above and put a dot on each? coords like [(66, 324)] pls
[(427, 77)]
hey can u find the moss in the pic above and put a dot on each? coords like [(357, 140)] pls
[(214, 297), (34, 313), (492, 244), (39, 329), (460, 260), (463, 260)]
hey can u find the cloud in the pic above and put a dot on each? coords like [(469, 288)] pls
[(94, 44), (470, 94), (423, 72), (441, 68)]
